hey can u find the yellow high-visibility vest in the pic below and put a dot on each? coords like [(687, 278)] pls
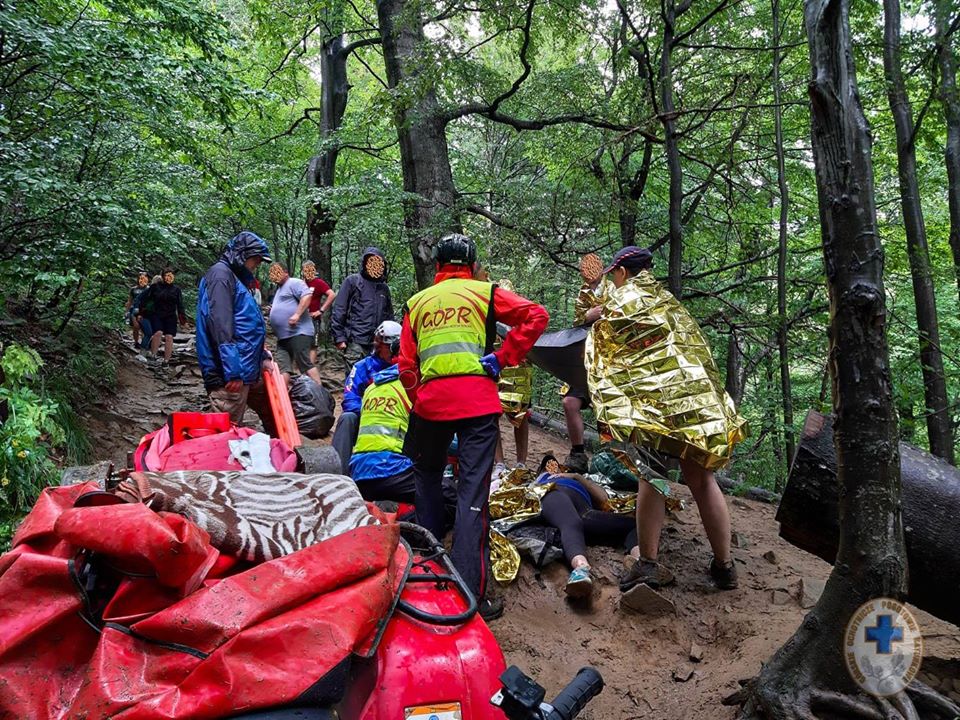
[(449, 322), (384, 418)]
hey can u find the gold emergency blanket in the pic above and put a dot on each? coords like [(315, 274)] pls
[(589, 297), (653, 380), (516, 391), (517, 500)]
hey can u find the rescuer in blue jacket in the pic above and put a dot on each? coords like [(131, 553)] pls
[(231, 331)]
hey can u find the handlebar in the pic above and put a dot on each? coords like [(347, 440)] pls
[(435, 548), (521, 698)]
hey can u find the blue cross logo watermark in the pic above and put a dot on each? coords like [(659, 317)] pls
[(883, 647)]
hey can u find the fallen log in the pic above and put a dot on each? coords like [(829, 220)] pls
[(930, 500)]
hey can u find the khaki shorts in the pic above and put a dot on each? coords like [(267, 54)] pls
[(294, 352)]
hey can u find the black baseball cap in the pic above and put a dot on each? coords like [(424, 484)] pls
[(632, 258)]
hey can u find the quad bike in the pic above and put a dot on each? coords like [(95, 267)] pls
[(435, 657), (438, 660)]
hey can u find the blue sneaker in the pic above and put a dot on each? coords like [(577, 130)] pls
[(579, 584)]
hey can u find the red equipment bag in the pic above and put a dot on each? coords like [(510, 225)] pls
[(189, 425), (158, 453), (112, 610)]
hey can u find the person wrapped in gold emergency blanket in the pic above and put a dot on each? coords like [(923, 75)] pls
[(653, 382)]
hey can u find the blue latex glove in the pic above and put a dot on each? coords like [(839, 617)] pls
[(491, 365)]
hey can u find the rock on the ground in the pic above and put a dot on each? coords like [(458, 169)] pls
[(771, 557), (810, 591), (645, 600), (682, 673), (696, 653)]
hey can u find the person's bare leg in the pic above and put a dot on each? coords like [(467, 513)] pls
[(713, 508), (521, 436), (651, 513), (155, 343), (315, 374), (571, 411), (167, 347), (136, 332), (498, 451), (286, 380)]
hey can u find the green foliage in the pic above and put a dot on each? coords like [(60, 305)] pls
[(28, 434)]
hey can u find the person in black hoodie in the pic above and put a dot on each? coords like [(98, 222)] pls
[(167, 300), (362, 303)]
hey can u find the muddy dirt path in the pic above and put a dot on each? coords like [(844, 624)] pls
[(647, 662)]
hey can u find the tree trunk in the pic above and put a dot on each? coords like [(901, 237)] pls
[(786, 391), (322, 171), (734, 381), (808, 675), (950, 97), (631, 188), (421, 130), (931, 503), (931, 362), (669, 120)]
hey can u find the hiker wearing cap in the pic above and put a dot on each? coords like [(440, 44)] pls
[(231, 331), (449, 368), (653, 382), (362, 303), (291, 322), (358, 380)]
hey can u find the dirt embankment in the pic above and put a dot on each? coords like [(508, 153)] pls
[(676, 666)]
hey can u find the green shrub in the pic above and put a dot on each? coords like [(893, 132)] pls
[(28, 434)]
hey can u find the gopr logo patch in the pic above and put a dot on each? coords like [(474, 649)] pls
[(883, 647)]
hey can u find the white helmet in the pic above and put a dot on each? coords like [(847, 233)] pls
[(388, 332)]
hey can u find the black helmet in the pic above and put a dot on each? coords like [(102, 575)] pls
[(455, 249)]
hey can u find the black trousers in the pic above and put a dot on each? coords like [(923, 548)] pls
[(569, 512), (345, 437), (398, 488), (477, 437)]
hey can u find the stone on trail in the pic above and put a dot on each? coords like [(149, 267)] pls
[(645, 600), (683, 673), (781, 596), (696, 653), (771, 557), (739, 540), (810, 591)]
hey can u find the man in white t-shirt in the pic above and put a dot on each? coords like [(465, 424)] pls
[(291, 322)]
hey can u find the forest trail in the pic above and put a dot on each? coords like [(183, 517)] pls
[(647, 662)]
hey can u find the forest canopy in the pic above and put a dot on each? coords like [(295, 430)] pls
[(140, 133)]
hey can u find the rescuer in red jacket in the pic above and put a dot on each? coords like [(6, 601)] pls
[(449, 368)]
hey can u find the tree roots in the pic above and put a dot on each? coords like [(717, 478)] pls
[(808, 702)]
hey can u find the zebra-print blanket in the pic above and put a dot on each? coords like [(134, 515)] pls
[(252, 516)]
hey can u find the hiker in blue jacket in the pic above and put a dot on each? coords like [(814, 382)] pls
[(231, 331)]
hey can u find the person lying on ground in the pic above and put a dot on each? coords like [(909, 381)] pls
[(231, 332), (622, 347), (292, 324), (356, 384), (167, 301), (580, 509)]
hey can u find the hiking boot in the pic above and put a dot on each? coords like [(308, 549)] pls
[(724, 574), (499, 470), (646, 572), (490, 608), (579, 584), (577, 462)]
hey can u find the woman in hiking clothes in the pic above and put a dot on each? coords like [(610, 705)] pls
[(167, 299), (231, 331), (363, 302), (449, 369)]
